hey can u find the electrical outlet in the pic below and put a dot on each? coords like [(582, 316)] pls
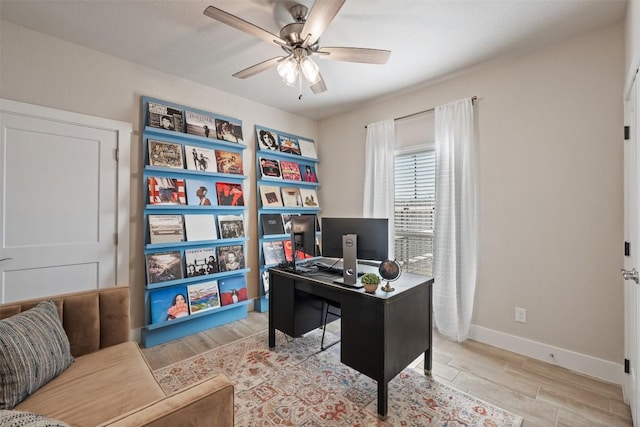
[(521, 315)]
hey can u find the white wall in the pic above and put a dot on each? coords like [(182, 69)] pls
[(41, 70), (550, 146)]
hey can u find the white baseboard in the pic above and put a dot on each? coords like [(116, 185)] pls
[(582, 363)]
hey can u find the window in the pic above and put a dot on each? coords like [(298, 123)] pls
[(415, 197)]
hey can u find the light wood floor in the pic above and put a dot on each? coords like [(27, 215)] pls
[(542, 393)]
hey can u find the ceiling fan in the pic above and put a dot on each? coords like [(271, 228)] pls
[(300, 40)]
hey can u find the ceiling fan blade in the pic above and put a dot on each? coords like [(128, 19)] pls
[(241, 24), (258, 68), (321, 14), (319, 86), (356, 54)]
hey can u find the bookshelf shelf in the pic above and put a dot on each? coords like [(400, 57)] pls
[(194, 215)]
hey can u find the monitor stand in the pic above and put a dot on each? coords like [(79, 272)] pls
[(349, 261)]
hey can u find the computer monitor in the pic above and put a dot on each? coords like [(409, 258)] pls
[(355, 238), (303, 237)]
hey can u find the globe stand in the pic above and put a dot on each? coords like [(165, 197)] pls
[(388, 288), (389, 270)]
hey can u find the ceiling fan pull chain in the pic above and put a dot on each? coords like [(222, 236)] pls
[(299, 85)]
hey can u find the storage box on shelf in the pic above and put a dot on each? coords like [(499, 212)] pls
[(286, 185), (194, 219)]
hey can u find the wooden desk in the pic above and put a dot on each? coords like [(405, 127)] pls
[(381, 333)]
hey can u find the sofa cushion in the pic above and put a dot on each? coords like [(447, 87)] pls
[(34, 349), (98, 387), (27, 419)]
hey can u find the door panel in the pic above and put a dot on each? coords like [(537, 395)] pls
[(632, 235), (58, 184)]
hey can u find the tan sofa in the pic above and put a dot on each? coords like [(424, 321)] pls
[(110, 382)]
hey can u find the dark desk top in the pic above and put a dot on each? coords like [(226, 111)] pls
[(402, 285)]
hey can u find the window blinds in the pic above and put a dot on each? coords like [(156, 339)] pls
[(415, 196)]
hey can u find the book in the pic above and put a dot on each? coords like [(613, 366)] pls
[(200, 159), (307, 148), (290, 170), (289, 144), (267, 140), (229, 162), (270, 196), (203, 296), (291, 197), (288, 252), (200, 124), (265, 282), (165, 154), (164, 117), (309, 197), (286, 222), (200, 227), (164, 266), (231, 226), (227, 130), (168, 304), (273, 252), (201, 262), (166, 191), (229, 194), (199, 192), (271, 224), (308, 173), (270, 168), (230, 258), (232, 290), (165, 228)]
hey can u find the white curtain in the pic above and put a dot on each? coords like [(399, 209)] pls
[(379, 175), (456, 219)]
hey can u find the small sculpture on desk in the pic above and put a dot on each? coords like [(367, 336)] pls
[(370, 281), (389, 270)]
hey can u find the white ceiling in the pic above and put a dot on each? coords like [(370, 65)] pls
[(428, 39)]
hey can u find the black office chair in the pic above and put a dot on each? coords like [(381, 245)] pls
[(326, 305)]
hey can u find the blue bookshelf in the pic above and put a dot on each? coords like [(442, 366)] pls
[(287, 150), (193, 186)]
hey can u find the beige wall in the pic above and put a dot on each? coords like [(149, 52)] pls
[(550, 149), (42, 70)]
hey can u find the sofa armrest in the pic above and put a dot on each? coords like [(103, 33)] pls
[(206, 403)]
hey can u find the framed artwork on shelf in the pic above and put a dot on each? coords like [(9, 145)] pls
[(267, 140), (165, 154), (232, 290), (227, 130), (200, 159), (200, 124), (229, 194), (164, 117), (203, 296), (168, 304), (166, 191), (289, 145), (229, 162), (166, 228), (164, 266), (201, 262)]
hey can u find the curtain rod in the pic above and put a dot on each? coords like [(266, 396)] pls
[(473, 98)]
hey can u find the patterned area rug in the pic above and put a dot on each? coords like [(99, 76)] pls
[(297, 385)]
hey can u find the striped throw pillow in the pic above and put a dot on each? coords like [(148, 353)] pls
[(27, 419), (34, 349)]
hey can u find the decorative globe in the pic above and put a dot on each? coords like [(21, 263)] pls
[(389, 270)]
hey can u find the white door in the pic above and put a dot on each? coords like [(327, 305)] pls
[(632, 260), (59, 217)]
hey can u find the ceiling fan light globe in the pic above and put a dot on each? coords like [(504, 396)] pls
[(310, 70), (287, 67)]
